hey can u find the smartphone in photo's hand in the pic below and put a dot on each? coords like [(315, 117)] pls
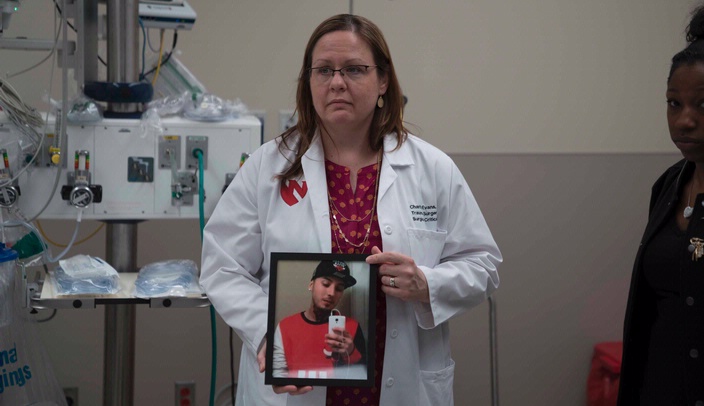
[(335, 321)]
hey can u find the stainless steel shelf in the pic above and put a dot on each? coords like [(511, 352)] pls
[(46, 297)]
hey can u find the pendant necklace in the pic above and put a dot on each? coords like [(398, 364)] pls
[(689, 209), (356, 220), (370, 214)]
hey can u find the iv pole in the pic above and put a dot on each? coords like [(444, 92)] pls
[(121, 235), (121, 239), (119, 349)]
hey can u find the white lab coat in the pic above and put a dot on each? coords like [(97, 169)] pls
[(425, 210)]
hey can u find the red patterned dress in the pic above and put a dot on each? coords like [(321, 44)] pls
[(355, 230)]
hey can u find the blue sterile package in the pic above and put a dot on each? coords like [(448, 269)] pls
[(84, 274), (178, 277)]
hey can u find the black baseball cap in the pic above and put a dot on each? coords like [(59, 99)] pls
[(338, 269)]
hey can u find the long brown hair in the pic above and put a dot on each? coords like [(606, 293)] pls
[(386, 120)]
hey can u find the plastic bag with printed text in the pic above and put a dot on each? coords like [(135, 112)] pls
[(26, 375)]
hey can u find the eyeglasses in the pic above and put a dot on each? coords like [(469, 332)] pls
[(324, 74)]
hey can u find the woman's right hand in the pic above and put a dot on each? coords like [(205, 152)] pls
[(290, 389), (261, 356)]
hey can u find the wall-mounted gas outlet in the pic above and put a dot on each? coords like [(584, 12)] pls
[(49, 155), (193, 143), (183, 190), (185, 393), (169, 151)]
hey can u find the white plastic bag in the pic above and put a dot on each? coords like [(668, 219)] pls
[(26, 375)]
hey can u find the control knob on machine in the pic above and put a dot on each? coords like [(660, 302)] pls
[(9, 191), (81, 196), (79, 192), (8, 196)]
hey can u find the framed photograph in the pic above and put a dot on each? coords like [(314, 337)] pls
[(322, 319)]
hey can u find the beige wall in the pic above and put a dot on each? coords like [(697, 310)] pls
[(554, 111), (481, 75), (567, 224)]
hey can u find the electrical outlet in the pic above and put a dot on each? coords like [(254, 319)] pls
[(185, 393), (287, 119), (71, 396)]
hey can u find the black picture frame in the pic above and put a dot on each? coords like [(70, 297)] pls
[(289, 279)]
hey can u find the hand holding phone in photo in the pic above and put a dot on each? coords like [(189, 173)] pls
[(335, 321)]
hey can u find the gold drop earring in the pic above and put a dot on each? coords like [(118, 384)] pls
[(380, 102)]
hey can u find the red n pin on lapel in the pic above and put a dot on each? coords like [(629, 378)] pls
[(290, 186)]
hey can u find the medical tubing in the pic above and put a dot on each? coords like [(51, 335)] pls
[(59, 167), (46, 255), (198, 153), (30, 122), (174, 173), (64, 99), (149, 43), (25, 118), (53, 192), (49, 55), (70, 244), (144, 46), (161, 53), (168, 54), (201, 191), (62, 136), (16, 223), (60, 245), (61, 12)]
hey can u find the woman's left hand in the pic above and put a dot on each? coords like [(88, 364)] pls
[(400, 277)]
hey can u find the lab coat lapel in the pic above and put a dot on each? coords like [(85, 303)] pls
[(313, 163), (392, 159)]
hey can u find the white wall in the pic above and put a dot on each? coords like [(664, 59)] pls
[(481, 75), (554, 111)]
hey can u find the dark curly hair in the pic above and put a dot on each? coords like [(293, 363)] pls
[(694, 34)]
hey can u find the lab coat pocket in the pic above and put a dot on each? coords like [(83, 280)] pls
[(437, 386), (426, 246)]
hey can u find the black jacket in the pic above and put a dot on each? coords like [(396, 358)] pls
[(640, 310)]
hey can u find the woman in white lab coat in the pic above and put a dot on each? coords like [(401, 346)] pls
[(350, 179)]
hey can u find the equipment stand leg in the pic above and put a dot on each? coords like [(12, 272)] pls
[(118, 358)]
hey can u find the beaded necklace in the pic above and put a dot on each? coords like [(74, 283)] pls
[(334, 210)]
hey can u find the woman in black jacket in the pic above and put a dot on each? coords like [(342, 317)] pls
[(663, 357)]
